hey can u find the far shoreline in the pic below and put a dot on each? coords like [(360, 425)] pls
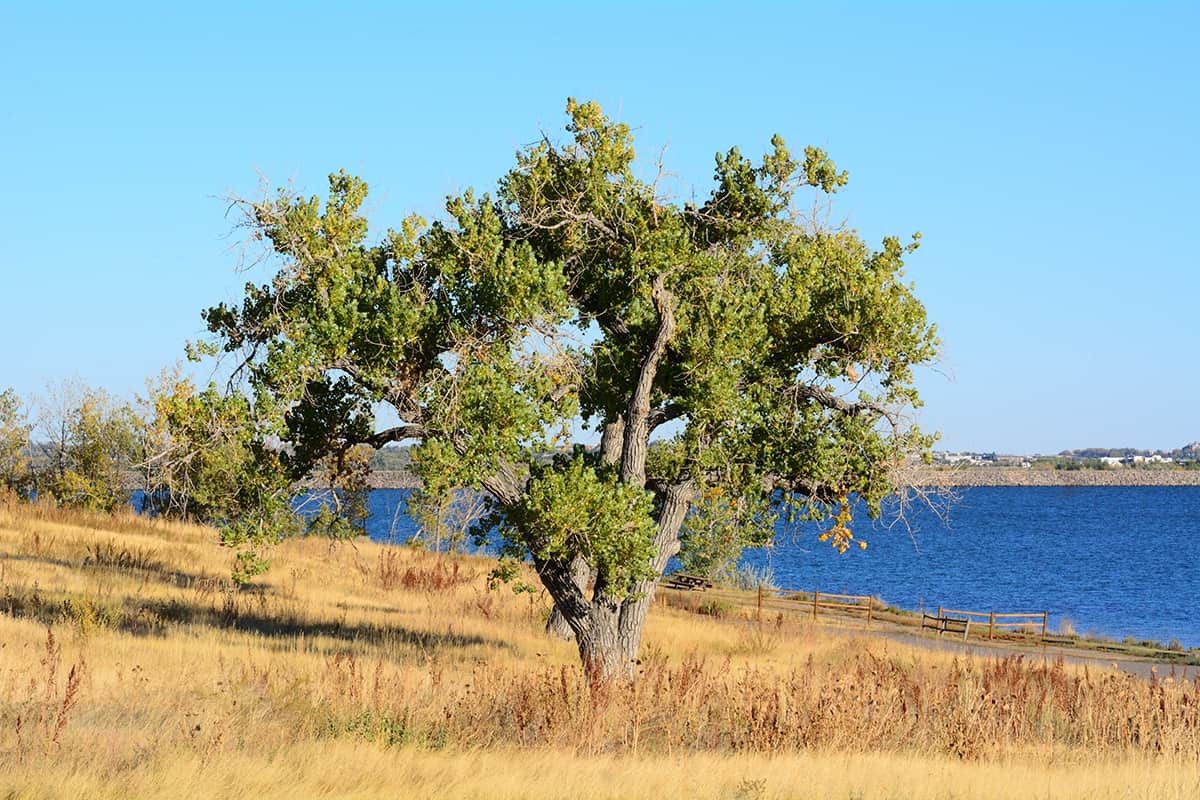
[(970, 477), (957, 477)]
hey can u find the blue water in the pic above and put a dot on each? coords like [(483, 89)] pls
[(1116, 561)]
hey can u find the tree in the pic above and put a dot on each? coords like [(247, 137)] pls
[(203, 460), (89, 446), (719, 528), (780, 352), (446, 519), (14, 442)]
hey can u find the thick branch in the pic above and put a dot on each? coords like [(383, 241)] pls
[(660, 416), (614, 326), (397, 434), (506, 485), (558, 577), (637, 428), (835, 403), (676, 501), (611, 441), (558, 625), (610, 454), (773, 482)]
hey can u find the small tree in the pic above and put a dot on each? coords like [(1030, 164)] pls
[(719, 528), (90, 446), (578, 296), (14, 442), (446, 518), (203, 460)]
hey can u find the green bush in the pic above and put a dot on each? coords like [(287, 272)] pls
[(715, 608)]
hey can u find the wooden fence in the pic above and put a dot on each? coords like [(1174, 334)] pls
[(999, 623), (853, 605), (859, 606), (943, 623), (947, 619)]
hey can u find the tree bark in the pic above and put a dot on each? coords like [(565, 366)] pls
[(557, 625), (675, 503), (607, 648)]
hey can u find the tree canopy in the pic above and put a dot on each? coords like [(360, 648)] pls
[(729, 353)]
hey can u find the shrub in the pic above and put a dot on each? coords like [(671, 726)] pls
[(749, 578), (715, 608)]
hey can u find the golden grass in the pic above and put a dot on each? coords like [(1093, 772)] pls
[(131, 667), (345, 769)]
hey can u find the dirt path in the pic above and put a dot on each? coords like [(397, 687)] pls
[(1142, 667)]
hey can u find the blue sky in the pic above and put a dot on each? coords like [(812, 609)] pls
[(1048, 156)]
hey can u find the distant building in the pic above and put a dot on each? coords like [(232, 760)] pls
[(1153, 459)]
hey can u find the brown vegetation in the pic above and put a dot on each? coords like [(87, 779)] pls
[(130, 666)]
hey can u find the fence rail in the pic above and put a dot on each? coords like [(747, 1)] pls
[(1015, 620), (853, 604)]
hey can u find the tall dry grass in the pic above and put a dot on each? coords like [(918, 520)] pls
[(128, 663)]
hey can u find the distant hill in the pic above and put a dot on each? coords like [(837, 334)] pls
[(392, 458)]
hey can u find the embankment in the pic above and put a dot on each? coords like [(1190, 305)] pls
[(999, 476)]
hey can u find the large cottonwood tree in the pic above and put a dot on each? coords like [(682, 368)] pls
[(773, 355)]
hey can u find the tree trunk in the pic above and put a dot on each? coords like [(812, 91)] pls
[(607, 648), (610, 453), (608, 630), (558, 626), (631, 619)]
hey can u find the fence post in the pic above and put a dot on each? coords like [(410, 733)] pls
[(991, 623), (1045, 618), (816, 597), (870, 609), (760, 604)]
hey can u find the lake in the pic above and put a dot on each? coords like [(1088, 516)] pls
[(1114, 560)]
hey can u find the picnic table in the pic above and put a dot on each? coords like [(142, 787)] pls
[(680, 580)]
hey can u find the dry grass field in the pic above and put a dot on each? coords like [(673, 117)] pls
[(131, 667)]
